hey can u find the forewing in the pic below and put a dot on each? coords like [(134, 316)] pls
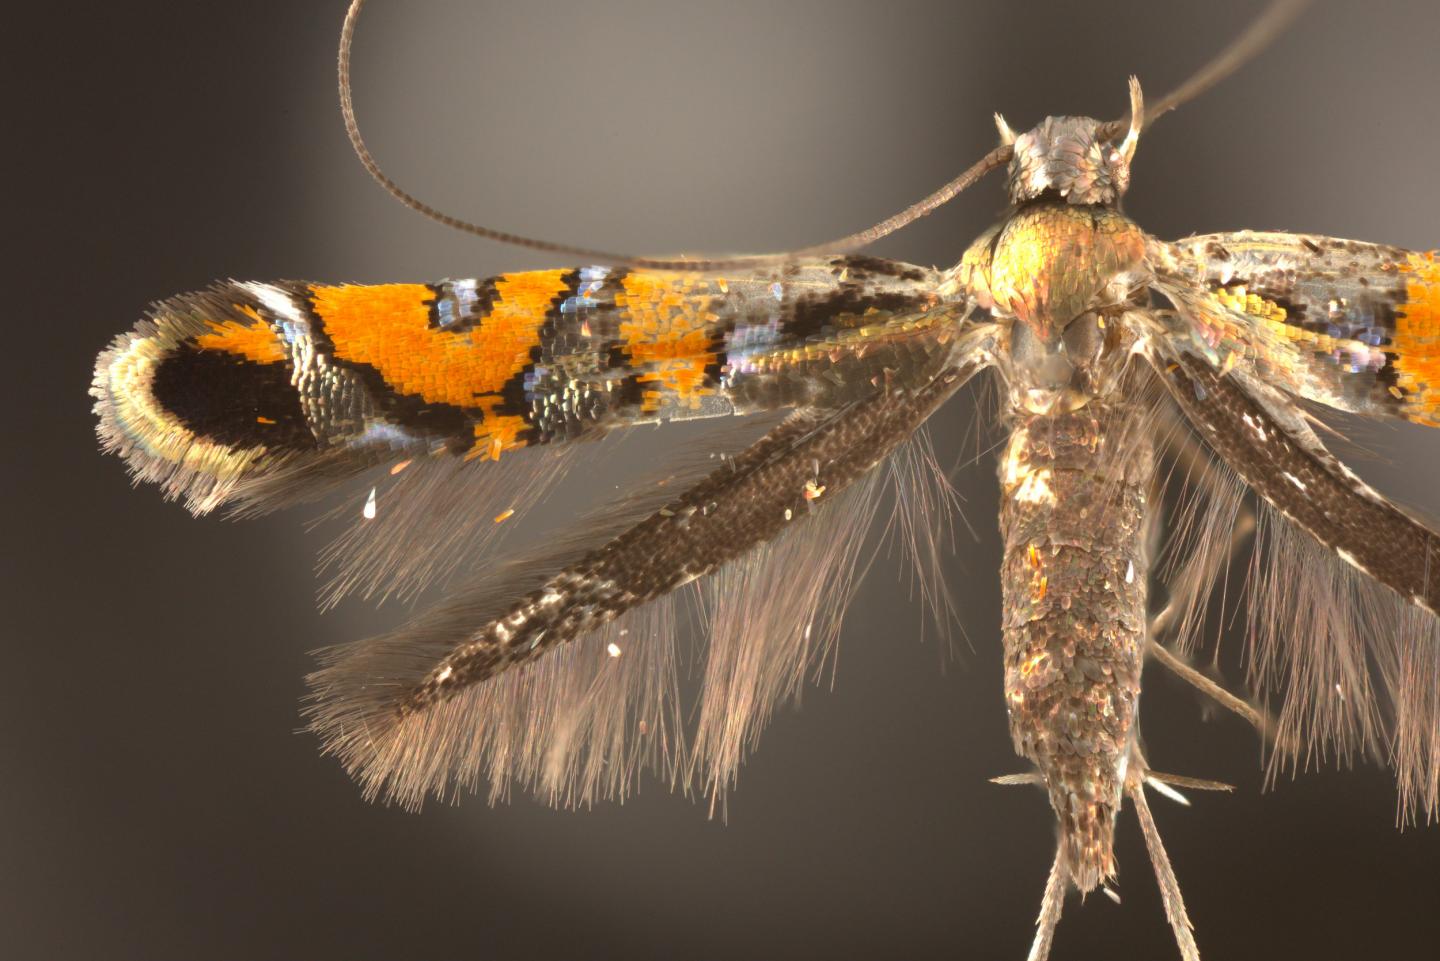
[(247, 393), (1352, 325), (259, 395)]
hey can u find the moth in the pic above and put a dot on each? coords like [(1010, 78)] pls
[(1120, 359)]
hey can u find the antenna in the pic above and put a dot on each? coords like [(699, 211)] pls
[(1260, 34)]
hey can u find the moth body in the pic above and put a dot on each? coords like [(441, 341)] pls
[(1058, 274), (1075, 496)]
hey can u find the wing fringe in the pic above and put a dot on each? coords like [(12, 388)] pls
[(1353, 668), (579, 724)]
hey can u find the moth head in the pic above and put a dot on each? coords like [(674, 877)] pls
[(1073, 158)]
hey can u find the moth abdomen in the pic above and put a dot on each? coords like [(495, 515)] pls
[(1075, 581)]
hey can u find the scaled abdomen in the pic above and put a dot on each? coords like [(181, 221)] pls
[(1075, 578)]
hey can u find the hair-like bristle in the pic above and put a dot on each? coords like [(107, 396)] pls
[(1412, 674), (433, 517), (772, 618), (574, 727), (1354, 668), (1194, 559), (1356, 663), (922, 526), (563, 725), (579, 723)]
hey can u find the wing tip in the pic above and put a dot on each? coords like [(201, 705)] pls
[(155, 444), (200, 399)]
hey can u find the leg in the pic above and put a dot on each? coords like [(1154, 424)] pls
[(1050, 907), (1183, 670), (1188, 455), (1164, 874)]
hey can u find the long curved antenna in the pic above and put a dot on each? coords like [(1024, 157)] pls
[(1260, 34), (995, 158)]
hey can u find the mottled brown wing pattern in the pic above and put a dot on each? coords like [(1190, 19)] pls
[(411, 714)]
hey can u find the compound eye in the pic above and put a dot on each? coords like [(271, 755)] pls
[(1085, 338)]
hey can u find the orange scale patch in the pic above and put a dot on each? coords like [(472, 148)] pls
[(666, 326), (387, 326), (1417, 337), (255, 342), (496, 433)]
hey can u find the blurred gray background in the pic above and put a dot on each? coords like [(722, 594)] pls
[(158, 801)]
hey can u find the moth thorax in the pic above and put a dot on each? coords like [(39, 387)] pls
[(1059, 371), (1066, 158)]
